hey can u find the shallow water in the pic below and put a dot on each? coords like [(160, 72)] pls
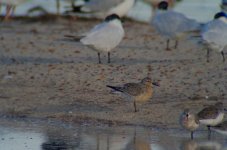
[(201, 10), (23, 135)]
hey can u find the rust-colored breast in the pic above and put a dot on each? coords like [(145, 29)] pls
[(145, 96)]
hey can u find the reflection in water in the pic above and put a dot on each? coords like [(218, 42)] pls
[(189, 145), (47, 137), (93, 139), (140, 140), (55, 145), (19, 139), (60, 139), (116, 139), (204, 145)]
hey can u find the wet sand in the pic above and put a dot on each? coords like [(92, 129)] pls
[(44, 75)]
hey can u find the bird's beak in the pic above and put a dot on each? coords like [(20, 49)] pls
[(155, 83)]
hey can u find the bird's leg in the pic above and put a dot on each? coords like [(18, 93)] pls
[(192, 135), (58, 6), (13, 10), (208, 54), (167, 45), (8, 8), (176, 44), (0, 8), (209, 132), (135, 106), (108, 57), (99, 58), (223, 55), (72, 3)]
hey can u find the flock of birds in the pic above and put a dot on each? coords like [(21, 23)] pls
[(173, 25), (107, 35), (211, 116)]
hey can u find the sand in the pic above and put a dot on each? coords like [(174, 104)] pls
[(47, 76)]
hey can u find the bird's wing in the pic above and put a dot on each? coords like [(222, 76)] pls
[(100, 5), (104, 37), (213, 25), (218, 38), (215, 33), (134, 89), (171, 22), (208, 113), (161, 24)]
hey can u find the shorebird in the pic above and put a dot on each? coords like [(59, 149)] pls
[(105, 36), (10, 7), (137, 92), (214, 34), (103, 8), (189, 121), (211, 116), (171, 24)]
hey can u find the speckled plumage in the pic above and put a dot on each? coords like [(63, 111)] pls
[(211, 112), (138, 92), (211, 116)]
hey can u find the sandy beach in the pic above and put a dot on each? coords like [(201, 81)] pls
[(45, 75)]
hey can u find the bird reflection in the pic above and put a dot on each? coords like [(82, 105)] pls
[(106, 139), (139, 141), (60, 140), (204, 145), (141, 144), (56, 144)]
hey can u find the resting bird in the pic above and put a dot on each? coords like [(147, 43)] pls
[(172, 25), (105, 36), (137, 92), (103, 8), (214, 34)]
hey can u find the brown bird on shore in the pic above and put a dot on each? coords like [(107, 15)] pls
[(189, 121), (137, 92)]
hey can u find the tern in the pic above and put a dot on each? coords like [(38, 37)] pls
[(172, 24), (103, 8), (214, 34), (106, 36)]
